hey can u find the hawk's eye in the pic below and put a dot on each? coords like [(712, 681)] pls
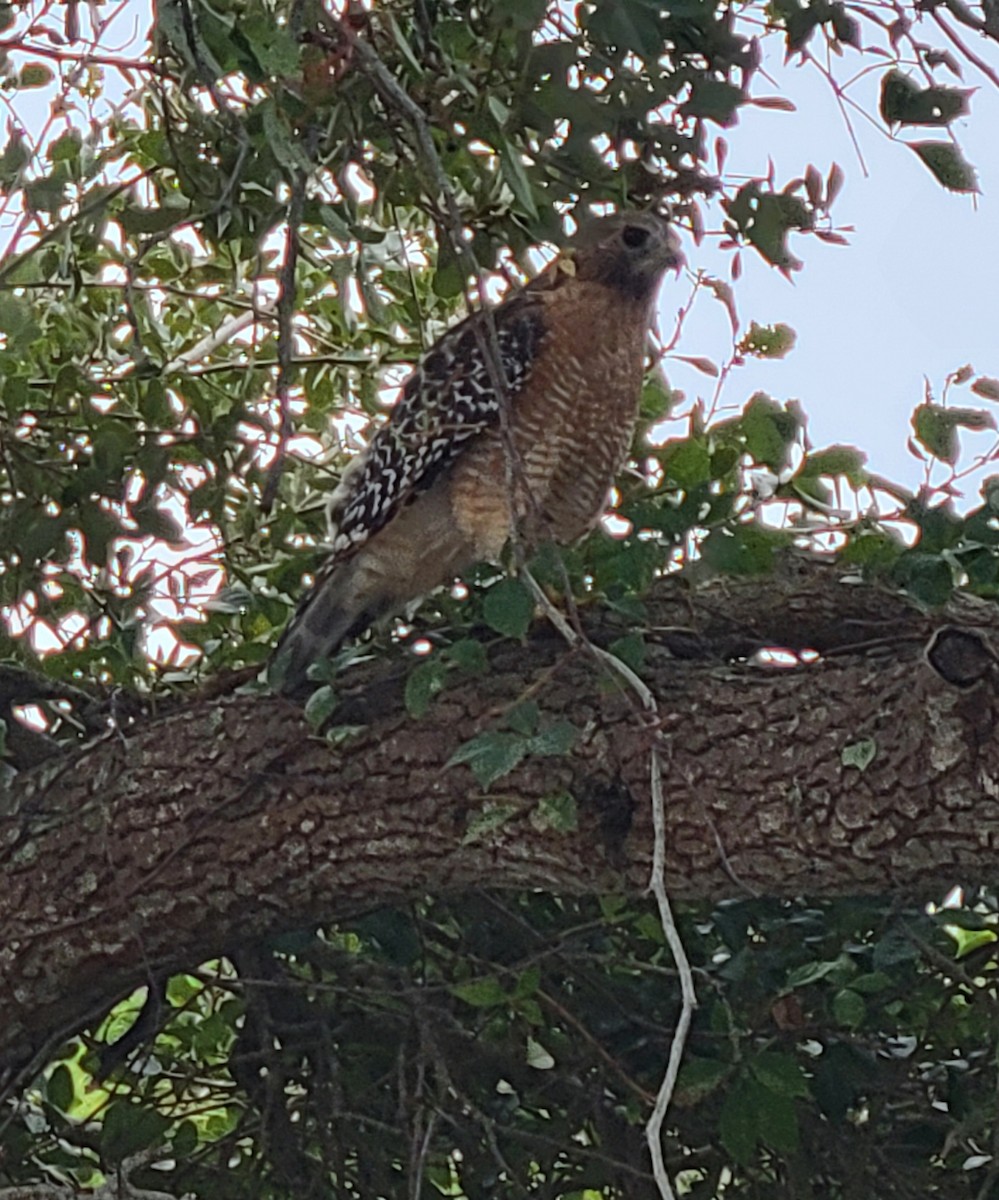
[(634, 236)]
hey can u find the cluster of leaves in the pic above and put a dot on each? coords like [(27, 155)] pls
[(512, 1045)]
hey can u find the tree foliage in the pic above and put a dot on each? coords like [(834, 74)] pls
[(222, 254)]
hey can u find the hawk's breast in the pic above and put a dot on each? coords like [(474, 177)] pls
[(571, 425)]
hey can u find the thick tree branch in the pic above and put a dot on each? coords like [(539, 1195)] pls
[(864, 771)]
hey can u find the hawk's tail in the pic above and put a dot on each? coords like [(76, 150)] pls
[(416, 552), (340, 605)]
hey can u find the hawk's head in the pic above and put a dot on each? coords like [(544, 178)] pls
[(628, 250)]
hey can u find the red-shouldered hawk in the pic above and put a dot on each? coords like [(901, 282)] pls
[(436, 491)]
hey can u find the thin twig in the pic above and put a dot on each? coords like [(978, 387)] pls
[(212, 341), (84, 58), (286, 313), (657, 885), (969, 54)]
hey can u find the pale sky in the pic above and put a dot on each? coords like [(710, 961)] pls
[(913, 295)]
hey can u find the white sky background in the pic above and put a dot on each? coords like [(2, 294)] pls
[(914, 294)]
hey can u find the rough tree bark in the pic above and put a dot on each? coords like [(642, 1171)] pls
[(159, 847)]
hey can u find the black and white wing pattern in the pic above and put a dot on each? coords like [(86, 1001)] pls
[(450, 397)]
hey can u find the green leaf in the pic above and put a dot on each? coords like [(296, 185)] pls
[(927, 578), (801, 21), (35, 75), (893, 950), (779, 1073), (36, 534), (282, 140), (481, 993), (449, 278), (768, 341), (972, 418), (765, 219), (491, 818), (528, 982), (523, 718), (272, 45), (872, 549), (969, 940), (155, 522), (490, 755), (769, 429), (714, 100), (986, 387), (66, 147), (936, 428), (904, 102), (558, 739), (185, 1141), (689, 464), (723, 461), (737, 1127), (811, 973), (698, 1078), (320, 706), (512, 167), (508, 608), (778, 1123), (632, 26), (392, 930), (630, 649), (182, 988), (129, 1128), (113, 443), (935, 432), (835, 461), (557, 813), (14, 159), (423, 683), (859, 754), (59, 1090), (744, 550), (656, 399), (136, 218), (872, 983), (403, 44), (846, 27), (15, 315), (948, 164), (46, 195), (849, 1008)]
